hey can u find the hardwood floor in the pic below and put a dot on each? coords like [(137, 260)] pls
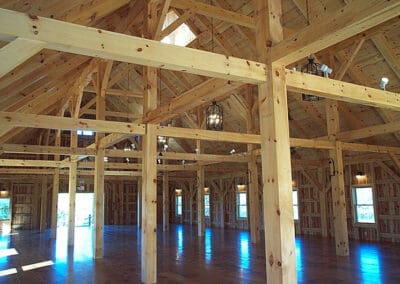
[(220, 257)]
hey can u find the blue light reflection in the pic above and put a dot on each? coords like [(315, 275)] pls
[(244, 251), (370, 267), (179, 237), (208, 245), (299, 263)]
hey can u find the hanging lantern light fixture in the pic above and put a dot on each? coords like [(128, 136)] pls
[(312, 68), (162, 143), (214, 117)]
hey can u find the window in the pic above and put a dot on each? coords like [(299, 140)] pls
[(181, 36), (295, 205), (85, 132), (364, 205), (207, 205), (178, 205), (242, 204), (4, 209)]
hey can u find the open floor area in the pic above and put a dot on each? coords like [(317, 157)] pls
[(222, 256)]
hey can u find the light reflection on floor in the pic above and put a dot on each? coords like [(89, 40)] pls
[(179, 246), (244, 250), (299, 262), (208, 245), (369, 263)]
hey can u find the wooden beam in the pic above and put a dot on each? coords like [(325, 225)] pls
[(221, 136), (357, 147), (33, 163), (12, 119), (350, 20), (388, 53), (49, 150), (117, 92), (17, 52), (160, 21), (298, 82), (345, 66), (215, 12), (119, 47), (191, 99), (369, 131)]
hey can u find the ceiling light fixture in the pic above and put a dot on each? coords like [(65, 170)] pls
[(312, 68), (214, 117)]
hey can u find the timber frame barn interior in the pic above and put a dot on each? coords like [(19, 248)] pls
[(116, 97)]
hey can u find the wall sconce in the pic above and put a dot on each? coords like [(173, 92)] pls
[(332, 169), (206, 190), (178, 191), (360, 175)]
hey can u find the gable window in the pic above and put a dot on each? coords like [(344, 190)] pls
[(295, 205), (85, 132), (207, 205), (242, 204), (178, 205), (181, 36), (363, 201)]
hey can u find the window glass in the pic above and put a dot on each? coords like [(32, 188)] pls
[(207, 205), (4, 208), (242, 204), (364, 205), (295, 205), (181, 36), (179, 205)]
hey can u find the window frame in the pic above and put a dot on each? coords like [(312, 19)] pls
[(238, 205), (354, 206), (177, 196)]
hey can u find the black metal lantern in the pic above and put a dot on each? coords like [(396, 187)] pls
[(162, 143), (214, 117), (312, 68)]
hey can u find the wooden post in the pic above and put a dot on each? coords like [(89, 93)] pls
[(275, 153), (322, 204), (56, 188), (337, 181), (100, 82), (200, 193), (35, 206), (139, 202), (72, 195), (149, 206), (254, 205), (149, 160), (99, 203), (165, 202), (222, 198), (43, 205)]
